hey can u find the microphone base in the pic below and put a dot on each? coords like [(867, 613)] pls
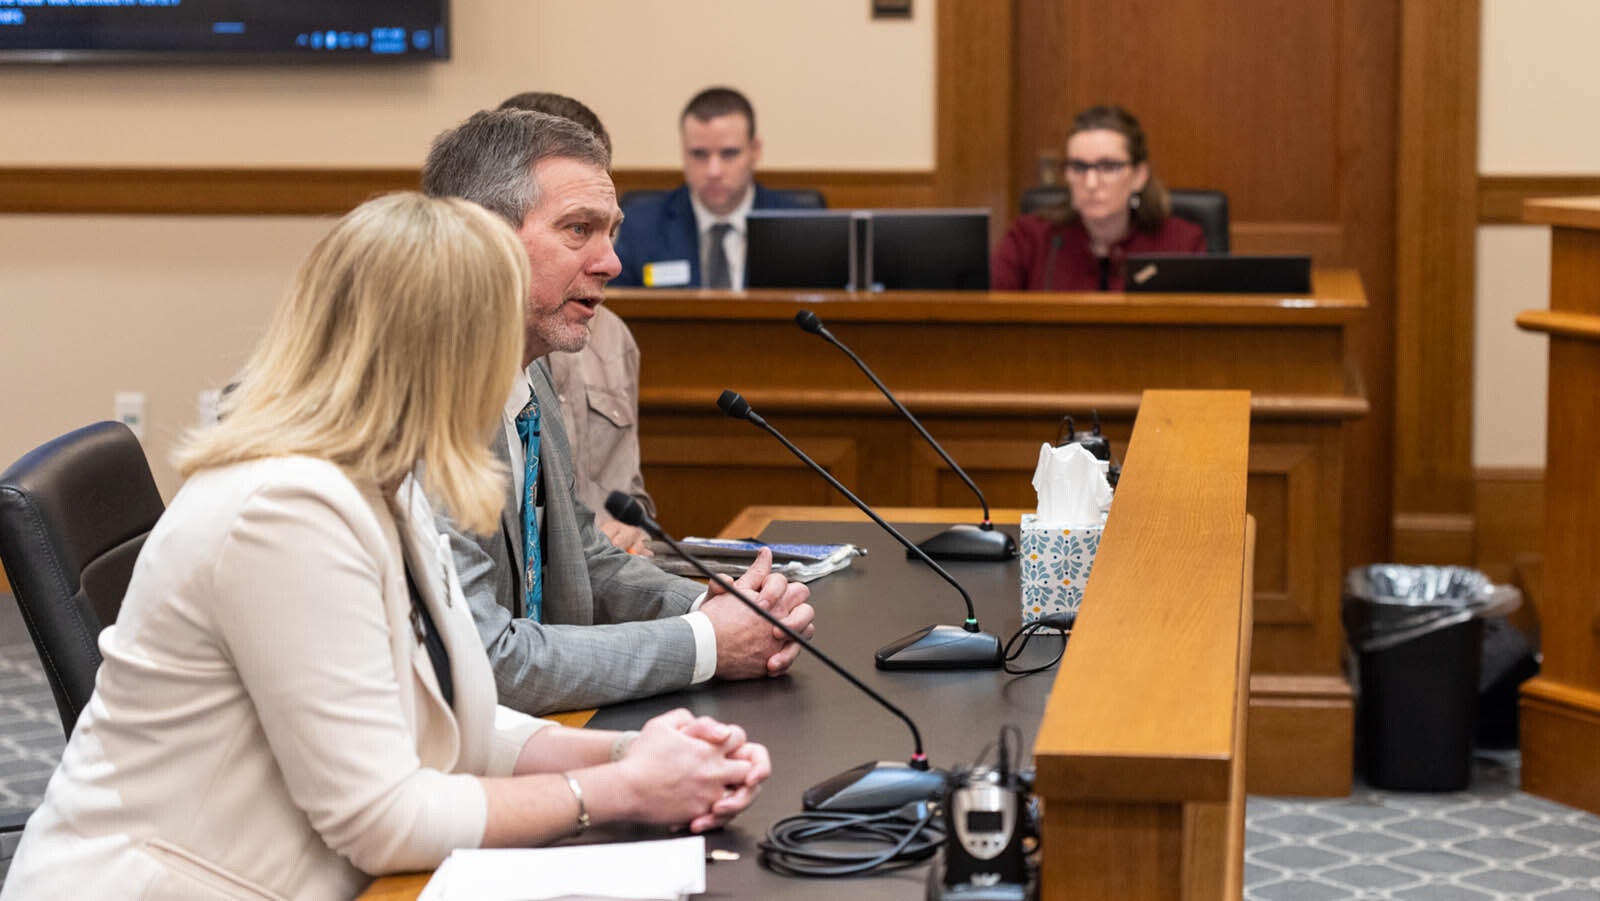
[(884, 785), (969, 542), (942, 647)]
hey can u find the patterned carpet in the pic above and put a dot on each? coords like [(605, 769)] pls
[(1489, 843)]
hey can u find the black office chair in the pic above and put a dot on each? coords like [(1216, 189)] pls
[(799, 198), (1207, 209), (73, 515)]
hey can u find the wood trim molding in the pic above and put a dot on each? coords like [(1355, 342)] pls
[(1560, 324), (1436, 194), (195, 191), (1560, 729), (1500, 197), (319, 191), (1263, 407)]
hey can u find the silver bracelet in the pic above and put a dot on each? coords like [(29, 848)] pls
[(621, 744), (583, 809)]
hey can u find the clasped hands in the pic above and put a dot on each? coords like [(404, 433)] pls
[(747, 645), (694, 771)]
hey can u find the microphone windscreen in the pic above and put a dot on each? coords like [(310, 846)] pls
[(808, 321), (734, 405), (625, 508)]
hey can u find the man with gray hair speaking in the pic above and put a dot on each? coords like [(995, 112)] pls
[(569, 620)]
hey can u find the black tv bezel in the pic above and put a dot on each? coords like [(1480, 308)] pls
[(230, 58)]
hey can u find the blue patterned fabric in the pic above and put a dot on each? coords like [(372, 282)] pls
[(528, 431)]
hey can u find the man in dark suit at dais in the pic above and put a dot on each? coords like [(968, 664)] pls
[(568, 619), (694, 236)]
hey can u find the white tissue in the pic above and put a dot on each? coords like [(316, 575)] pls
[(1072, 487)]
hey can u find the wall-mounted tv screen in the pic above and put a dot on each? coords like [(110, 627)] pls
[(222, 31)]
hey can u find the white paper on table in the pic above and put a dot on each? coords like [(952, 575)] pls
[(668, 870)]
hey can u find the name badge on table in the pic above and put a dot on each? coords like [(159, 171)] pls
[(666, 274)]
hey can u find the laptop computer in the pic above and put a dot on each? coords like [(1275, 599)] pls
[(1198, 273)]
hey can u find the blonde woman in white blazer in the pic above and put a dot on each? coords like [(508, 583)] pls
[(269, 721)]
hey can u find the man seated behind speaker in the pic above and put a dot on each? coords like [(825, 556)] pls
[(598, 385), (694, 236), (568, 619)]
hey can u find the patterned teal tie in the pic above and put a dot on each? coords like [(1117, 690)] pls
[(528, 431)]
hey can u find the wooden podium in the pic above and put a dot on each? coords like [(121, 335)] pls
[(1560, 710), (1140, 756), (991, 375)]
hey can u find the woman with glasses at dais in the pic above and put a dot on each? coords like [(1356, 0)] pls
[(294, 697), (1117, 207)]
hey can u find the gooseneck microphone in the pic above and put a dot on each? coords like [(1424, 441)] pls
[(932, 647), (881, 785), (962, 542)]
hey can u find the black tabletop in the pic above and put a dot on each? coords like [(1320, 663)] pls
[(816, 724)]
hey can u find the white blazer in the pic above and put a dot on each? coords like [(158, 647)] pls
[(265, 723)]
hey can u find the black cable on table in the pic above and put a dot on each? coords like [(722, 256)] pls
[(1061, 622), (823, 843)]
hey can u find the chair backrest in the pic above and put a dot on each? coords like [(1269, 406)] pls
[(1207, 209), (73, 515), (798, 198)]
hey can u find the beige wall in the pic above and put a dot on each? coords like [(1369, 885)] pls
[(1540, 86), (1509, 365), (804, 63), (169, 306)]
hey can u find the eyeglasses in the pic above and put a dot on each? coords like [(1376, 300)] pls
[(1102, 168)]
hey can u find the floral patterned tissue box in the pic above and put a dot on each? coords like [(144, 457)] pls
[(1055, 566)]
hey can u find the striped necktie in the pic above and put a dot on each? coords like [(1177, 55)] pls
[(528, 431)]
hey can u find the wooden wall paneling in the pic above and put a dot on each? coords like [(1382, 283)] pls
[(1510, 517), (1560, 728), (703, 469), (1325, 242), (1370, 45), (1221, 107), (1297, 611), (975, 88), (1281, 478), (1510, 536), (1300, 735), (1001, 467), (1435, 259), (1044, 105)]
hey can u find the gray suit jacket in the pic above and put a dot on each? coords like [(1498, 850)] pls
[(613, 627)]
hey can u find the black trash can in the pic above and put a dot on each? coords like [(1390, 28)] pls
[(1417, 632)]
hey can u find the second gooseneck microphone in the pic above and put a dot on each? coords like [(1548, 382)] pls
[(962, 542), (932, 647), (882, 785)]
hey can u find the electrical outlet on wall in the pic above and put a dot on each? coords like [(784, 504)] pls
[(208, 400), (129, 410)]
